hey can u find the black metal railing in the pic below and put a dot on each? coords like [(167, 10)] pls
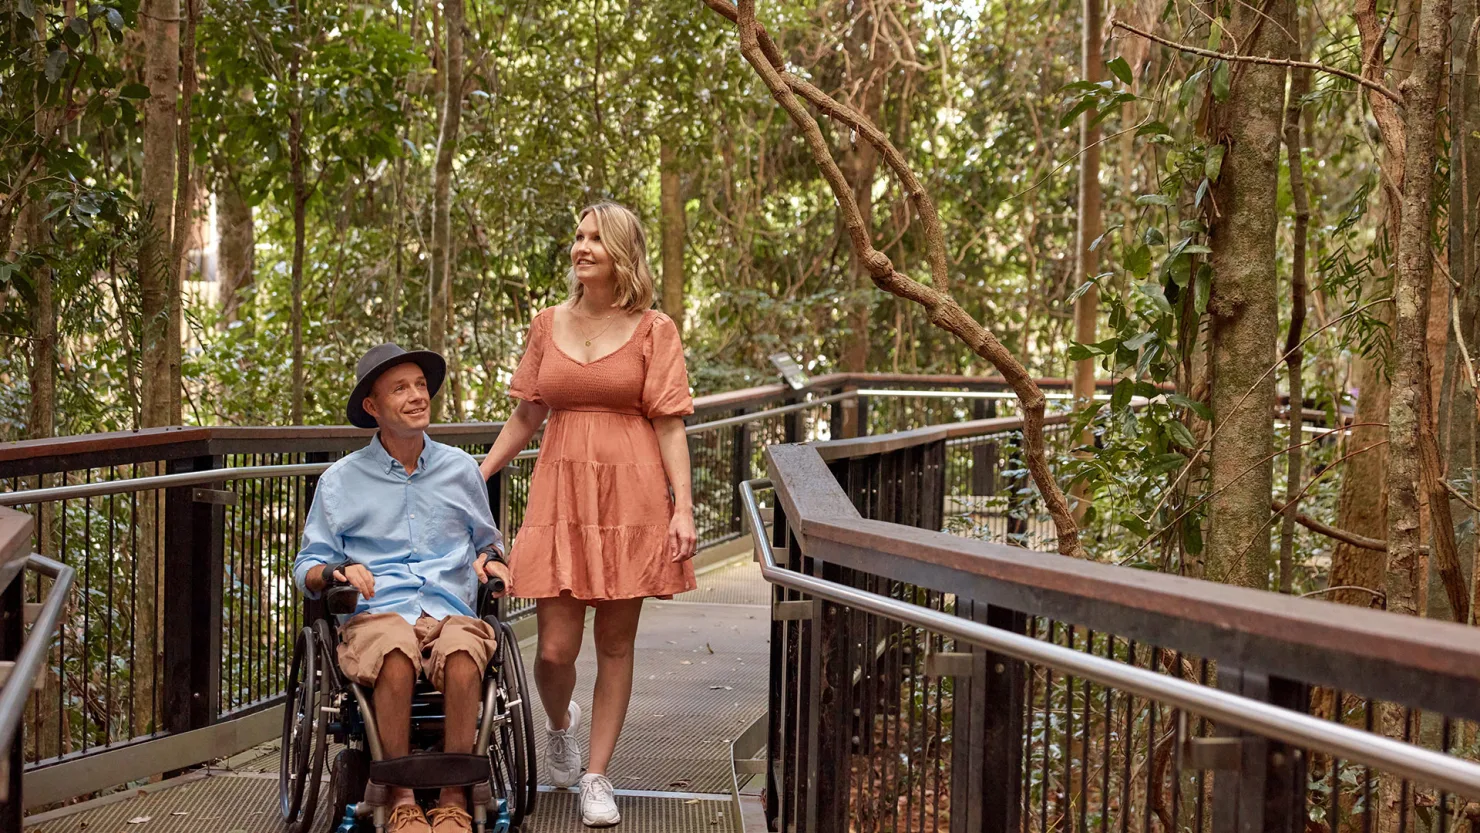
[(184, 600), (22, 654), (877, 723)]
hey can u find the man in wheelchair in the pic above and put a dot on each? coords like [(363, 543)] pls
[(405, 521)]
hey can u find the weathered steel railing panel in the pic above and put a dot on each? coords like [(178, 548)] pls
[(878, 724)]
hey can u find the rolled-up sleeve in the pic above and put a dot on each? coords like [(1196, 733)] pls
[(320, 543)]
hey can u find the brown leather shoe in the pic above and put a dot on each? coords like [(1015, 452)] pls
[(407, 818), (450, 819)]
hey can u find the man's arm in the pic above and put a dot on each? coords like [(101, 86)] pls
[(492, 561), (320, 547)]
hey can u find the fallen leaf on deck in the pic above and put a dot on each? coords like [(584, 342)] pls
[(707, 648), (684, 662), (180, 813), (138, 819), (692, 801), (683, 782)]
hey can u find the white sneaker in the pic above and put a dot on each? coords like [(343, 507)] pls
[(598, 805), (563, 751)]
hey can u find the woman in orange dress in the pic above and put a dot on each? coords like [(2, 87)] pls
[(610, 517)]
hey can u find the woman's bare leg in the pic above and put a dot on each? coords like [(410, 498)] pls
[(562, 621), (615, 631)]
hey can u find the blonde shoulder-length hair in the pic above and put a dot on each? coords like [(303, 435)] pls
[(621, 234)]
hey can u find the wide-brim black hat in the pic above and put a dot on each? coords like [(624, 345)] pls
[(377, 361)]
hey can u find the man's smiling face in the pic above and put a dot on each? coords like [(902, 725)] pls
[(399, 400)]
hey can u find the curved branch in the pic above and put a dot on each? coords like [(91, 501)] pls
[(1359, 541), (944, 312), (1255, 59)]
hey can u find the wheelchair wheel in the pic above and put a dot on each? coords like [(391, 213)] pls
[(304, 741), (350, 773), (511, 747)]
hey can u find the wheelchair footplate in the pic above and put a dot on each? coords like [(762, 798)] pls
[(431, 771)]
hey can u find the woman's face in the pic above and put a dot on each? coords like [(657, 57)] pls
[(588, 255)]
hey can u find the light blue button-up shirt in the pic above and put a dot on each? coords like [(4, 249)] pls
[(418, 534)]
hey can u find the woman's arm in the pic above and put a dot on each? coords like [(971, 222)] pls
[(673, 445), (515, 435)]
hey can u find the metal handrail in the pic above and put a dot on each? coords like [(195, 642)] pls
[(200, 478), (962, 394), (1301, 730), (22, 678), (741, 419)]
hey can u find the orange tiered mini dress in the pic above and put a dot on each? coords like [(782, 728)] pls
[(596, 526)]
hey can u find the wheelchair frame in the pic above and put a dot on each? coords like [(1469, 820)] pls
[(323, 705)]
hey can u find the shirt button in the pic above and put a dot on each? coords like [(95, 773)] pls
[(413, 516)]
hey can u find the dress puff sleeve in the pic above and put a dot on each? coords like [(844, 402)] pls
[(665, 388), (525, 384)]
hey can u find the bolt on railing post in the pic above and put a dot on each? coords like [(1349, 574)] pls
[(194, 565)]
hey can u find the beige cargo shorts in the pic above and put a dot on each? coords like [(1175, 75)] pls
[(365, 641)]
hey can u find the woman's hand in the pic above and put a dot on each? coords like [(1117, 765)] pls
[(682, 542)]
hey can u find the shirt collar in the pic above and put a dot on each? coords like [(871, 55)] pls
[(384, 459)]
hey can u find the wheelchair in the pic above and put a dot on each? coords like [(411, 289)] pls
[(323, 706)]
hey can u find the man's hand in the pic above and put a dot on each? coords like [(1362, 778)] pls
[(488, 570), (359, 578)]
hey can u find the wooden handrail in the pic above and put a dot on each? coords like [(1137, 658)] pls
[(1420, 662), (191, 441)]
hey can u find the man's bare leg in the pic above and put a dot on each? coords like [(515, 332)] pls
[(393, 713), (461, 693)]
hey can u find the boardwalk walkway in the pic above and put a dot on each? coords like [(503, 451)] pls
[(700, 681)]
